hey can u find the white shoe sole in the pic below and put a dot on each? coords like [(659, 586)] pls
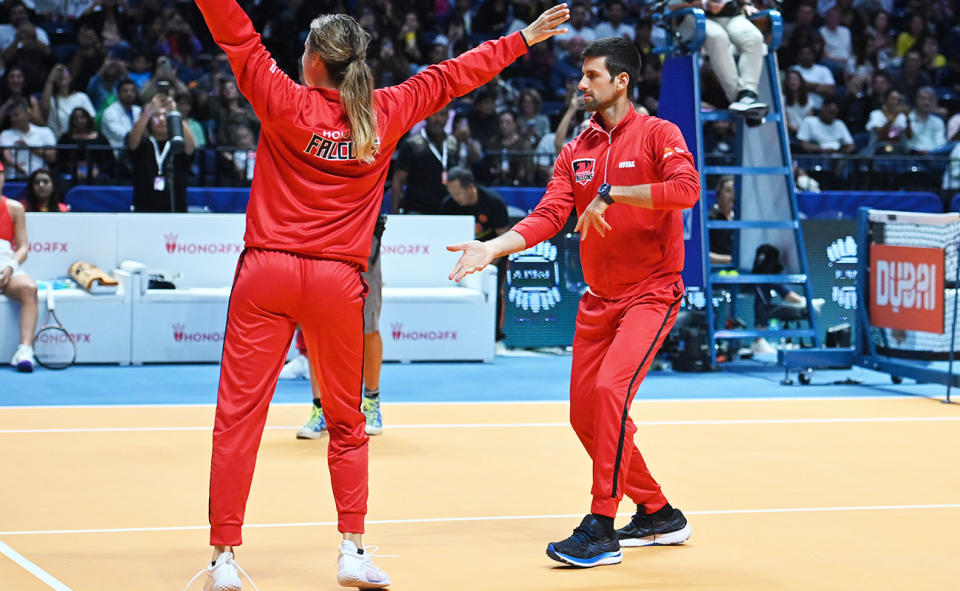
[(673, 538), (310, 434), (373, 430), (357, 582)]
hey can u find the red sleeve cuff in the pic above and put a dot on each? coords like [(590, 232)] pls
[(656, 195)]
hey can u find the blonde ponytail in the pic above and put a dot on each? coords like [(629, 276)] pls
[(342, 45)]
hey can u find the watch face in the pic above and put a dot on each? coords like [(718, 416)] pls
[(604, 188)]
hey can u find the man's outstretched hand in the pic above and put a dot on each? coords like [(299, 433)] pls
[(476, 255)]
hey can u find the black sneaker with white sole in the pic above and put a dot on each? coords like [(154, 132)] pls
[(748, 105), (592, 544), (666, 527)]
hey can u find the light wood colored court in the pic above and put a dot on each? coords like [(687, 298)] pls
[(782, 494)]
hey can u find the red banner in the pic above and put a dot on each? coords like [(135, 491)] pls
[(906, 287)]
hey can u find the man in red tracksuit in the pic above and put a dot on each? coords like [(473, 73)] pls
[(322, 160), (628, 175)]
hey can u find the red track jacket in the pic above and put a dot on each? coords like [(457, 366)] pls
[(309, 194), (643, 244)]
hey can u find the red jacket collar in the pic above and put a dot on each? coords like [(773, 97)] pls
[(618, 129)]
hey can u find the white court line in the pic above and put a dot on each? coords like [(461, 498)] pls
[(32, 568), (638, 400), (703, 422), (475, 519)]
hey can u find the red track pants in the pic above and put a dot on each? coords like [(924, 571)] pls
[(272, 292), (613, 347)]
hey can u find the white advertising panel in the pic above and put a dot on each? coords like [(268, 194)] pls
[(59, 239), (414, 248)]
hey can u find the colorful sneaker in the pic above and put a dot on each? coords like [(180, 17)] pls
[(589, 546), (355, 569), (23, 359), (371, 409), (222, 575), (297, 368), (663, 528), (315, 427)]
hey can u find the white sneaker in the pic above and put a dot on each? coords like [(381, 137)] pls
[(296, 368), (23, 359), (762, 346), (222, 575), (355, 569)]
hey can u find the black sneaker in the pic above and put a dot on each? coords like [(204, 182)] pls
[(748, 104), (666, 527), (590, 545)]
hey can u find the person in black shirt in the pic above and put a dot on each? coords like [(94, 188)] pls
[(721, 241), (490, 217), (152, 160), (422, 162)]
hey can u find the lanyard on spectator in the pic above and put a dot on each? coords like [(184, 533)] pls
[(160, 156), (443, 159)]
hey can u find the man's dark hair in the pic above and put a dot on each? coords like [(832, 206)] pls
[(621, 56), (125, 82), (462, 176)]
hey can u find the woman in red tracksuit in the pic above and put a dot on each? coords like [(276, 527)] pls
[(628, 176), (322, 162)]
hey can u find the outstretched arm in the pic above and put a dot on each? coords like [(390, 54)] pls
[(265, 85), (428, 91)]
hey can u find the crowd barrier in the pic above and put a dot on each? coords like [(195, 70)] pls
[(424, 317)]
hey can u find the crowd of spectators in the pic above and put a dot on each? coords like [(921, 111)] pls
[(859, 76)]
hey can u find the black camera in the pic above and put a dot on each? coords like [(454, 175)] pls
[(163, 87)]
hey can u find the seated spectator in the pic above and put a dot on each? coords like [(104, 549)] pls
[(483, 118), (179, 41), (861, 100), (721, 241), (27, 146), (953, 128), (889, 125), (155, 168), (491, 18), (239, 162), (911, 76), (797, 101), (824, 133), (29, 50), (14, 281), (837, 43), (929, 131), (469, 149), (230, 108), (799, 33), (509, 158), (820, 81), (80, 151), (59, 99), (648, 87), (613, 26), (102, 88), (409, 38), (577, 26), (17, 15), (951, 176), (110, 20), (390, 67), (119, 117), (934, 63), (535, 124), (916, 27), (140, 69), (42, 194), (186, 109), (165, 71), (89, 57), (568, 68), (14, 89)]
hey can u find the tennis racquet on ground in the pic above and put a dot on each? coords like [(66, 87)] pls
[(53, 347)]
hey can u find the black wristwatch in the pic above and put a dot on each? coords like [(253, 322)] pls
[(604, 193)]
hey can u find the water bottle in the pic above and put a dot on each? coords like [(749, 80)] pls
[(175, 132)]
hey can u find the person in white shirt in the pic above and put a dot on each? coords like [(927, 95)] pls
[(929, 131), (837, 42), (32, 146), (118, 118), (59, 101), (614, 25), (728, 23), (889, 125), (17, 14), (820, 81), (824, 133)]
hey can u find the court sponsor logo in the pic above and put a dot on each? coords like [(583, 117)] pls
[(49, 247), (406, 249), (583, 170), (399, 334), (182, 335), (174, 246), (56, 337), (907, 287)]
